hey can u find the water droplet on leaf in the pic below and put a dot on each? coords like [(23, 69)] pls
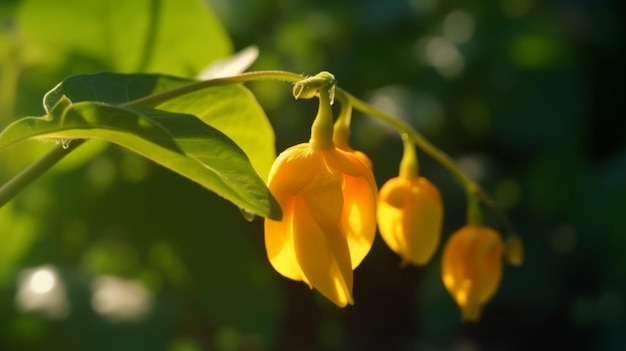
[(65, 143), (247, 214)]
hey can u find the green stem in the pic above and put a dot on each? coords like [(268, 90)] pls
[(474, 212), (33, 171), (323, 86), (322, 127), (341, 128), (409, 166), (192, 87)]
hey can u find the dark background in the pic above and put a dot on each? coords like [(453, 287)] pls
[(527, 96)]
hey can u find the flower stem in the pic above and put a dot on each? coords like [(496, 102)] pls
[(195, 86), (341, 128), (36, 169), (409, 168), (322, 127)]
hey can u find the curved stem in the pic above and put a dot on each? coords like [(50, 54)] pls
[(409, 165), (322, 128), (195, 86), (321, 85), (33, 171), (341, 128)]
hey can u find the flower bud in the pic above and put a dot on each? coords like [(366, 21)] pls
[(472, 268), (410, 215)]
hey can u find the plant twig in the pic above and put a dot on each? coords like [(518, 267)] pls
[(34, 170), (204, 84)]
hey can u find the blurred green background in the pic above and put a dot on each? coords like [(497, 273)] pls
[(111, 252)]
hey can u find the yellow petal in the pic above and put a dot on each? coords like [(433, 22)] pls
[(279, 243), (292, 170), (324, 199), (422, 220), (490, 267), (363, 157), (392, 200), (472, 268), (358, 220), (344, 162), (322, 253), (360, 155), (395, 192), (289, 174)]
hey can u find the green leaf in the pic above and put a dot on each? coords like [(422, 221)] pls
[(177, 37), (232, 109), (235, 112), (177, 141), (111, 88)]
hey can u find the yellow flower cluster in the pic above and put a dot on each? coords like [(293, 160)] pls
[(331, 209)]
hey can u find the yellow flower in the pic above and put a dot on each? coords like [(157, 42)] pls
[(410, 215), (358, 154), (472, 268), (328, 197)]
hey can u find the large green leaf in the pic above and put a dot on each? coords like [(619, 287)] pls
[(232, 109), (177, 141), (178, 37)]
